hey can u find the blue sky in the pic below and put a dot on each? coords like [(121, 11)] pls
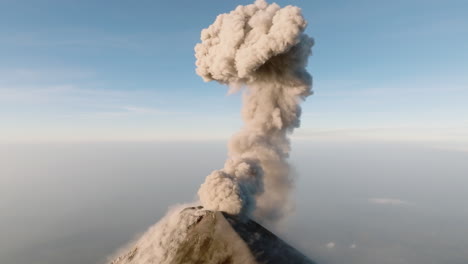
[(124, 70)]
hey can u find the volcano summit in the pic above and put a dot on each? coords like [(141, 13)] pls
[(220, 238)]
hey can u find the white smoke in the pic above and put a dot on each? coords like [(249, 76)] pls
[(263, 48)]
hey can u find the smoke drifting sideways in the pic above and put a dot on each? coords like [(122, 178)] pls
[(263, 48)]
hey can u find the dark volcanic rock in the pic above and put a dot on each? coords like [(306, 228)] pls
[(265, 246)]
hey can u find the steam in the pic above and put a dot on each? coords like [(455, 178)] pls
[(263, 48)]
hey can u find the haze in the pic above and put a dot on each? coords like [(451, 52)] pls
[(78, 203)]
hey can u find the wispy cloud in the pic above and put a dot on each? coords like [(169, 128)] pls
[(80, 107), (330, 245), (143, 110), (68, 38), (399, 89), (22, 75), (438, 135), (70, 88), (94, 39), (389, 201), (127, 111), (69, 95), (64, 93)]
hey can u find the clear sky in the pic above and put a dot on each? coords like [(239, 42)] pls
[(124, 70)]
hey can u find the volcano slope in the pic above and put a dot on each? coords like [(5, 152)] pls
[(218, 238)]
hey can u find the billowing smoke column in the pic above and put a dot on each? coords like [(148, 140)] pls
[(263, 48)]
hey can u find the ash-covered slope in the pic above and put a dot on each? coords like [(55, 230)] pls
[(219, 238)]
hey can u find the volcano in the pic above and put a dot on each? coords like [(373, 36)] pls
[(219, 238), (262, 50)]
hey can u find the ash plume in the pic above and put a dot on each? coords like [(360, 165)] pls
[(263, 48)]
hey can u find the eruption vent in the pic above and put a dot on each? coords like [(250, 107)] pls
[(263, 48)]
